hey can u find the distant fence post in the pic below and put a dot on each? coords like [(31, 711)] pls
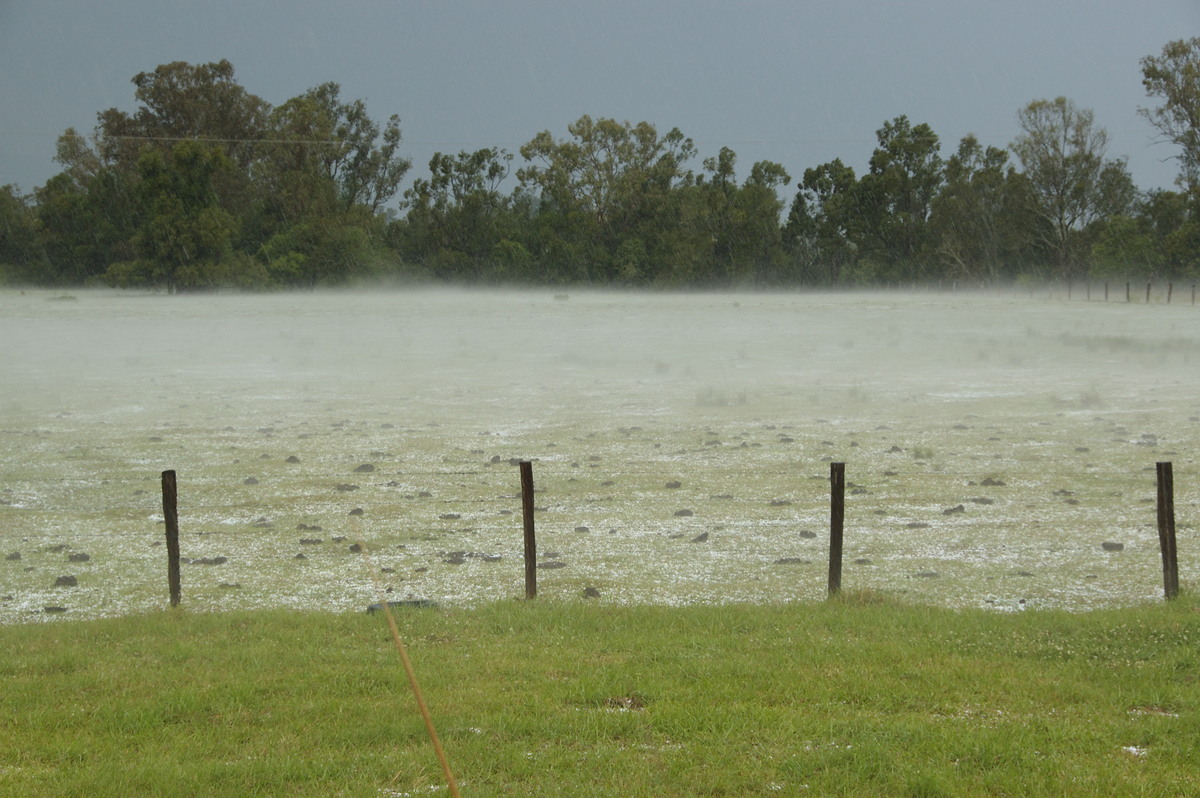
[(1148, 284), (530, 538), (837, 517), (1166, 530), (171, 517), (1127, 295), (1106, 290), (1170, 290)]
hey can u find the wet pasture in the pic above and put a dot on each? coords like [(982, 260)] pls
[(994, 443)]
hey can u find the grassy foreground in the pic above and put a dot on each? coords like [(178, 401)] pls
[(854, 696)]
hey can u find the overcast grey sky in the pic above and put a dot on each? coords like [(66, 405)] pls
[(796, 82)]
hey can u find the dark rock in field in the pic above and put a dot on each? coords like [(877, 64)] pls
[(1109, 545), (792, 561), (292, 459), (958, 508), (6, 597), (982, 500), (608, 483), (450, 516), (926, 575), (780, 503), (209, 561), (1082, 449), (262, 523), (676, 536), (13, 557), (702, 537), (356, 547), (249, 481), (411, 603), (455, 558), (858, 491), (232, 585), (57, 548), (79, 556), (1064, 492), (992, 482), (307, 528), (917, 525), (338, 539), (53, 609), (346, 487), (300, 556), (424, 494), (365, 468), (356, 511), (387, 570), (66, 581), (863, 561), (310, 541), (895, 450), (807, 534), (722, 496), (591, 592), (582, 529), (683, 513), (673, 484), (552, 565), (1089, 577)]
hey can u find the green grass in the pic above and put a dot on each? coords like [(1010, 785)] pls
[(858, 696)]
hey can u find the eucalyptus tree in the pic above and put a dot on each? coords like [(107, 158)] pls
[(1062, 153), (607, 197), (822, 225), (1174, 77)]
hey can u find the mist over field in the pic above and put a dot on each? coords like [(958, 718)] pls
[(993, 443)]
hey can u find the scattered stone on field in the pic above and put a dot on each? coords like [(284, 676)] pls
[(685, 513), (455, 558), (13, 556), (300, 556), (450, 516), (414, 603), (958, 508), (57, 548), (1082, 449), (208, 561), (52, 609), (291, 458), (917, 525), (231, 585), (1091, 576), (1110, 545), (365, 468), (983, 500), (1064, 492), (68, 580), (926, 575), (356, 547), (552, 565), (356, 511), (344, 486), (863, 561), (424, 494), (262, 523), (6, 597), (591, 592), (702, 537), (780, 502), (338, 539), (582, 529), (992, 482), (895, 450), (807, 533), (858, 491), (307, 528), (792, 561), (79, 556), (673, 484), (1024, 573)]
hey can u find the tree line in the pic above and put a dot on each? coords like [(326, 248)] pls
[(208, 186)]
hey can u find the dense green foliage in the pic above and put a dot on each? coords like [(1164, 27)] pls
[(207, 185), (848, 697)]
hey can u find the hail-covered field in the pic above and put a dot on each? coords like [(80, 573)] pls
[(681, 447)]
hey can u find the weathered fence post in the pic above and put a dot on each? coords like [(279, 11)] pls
[(530, 538), (1166, 530), (171, 517), (1170, 290), (1127, 295), (1148, 284), (837, 517), (1106, 290)]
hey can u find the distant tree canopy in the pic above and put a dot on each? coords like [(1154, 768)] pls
[(206, 186)]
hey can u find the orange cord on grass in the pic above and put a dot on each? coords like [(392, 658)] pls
[(412, 675)]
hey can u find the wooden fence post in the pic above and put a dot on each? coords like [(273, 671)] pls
[(1127, 299), (171, 517), (1166, 530), (837, 517), (1148, 284), (530, 538)]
